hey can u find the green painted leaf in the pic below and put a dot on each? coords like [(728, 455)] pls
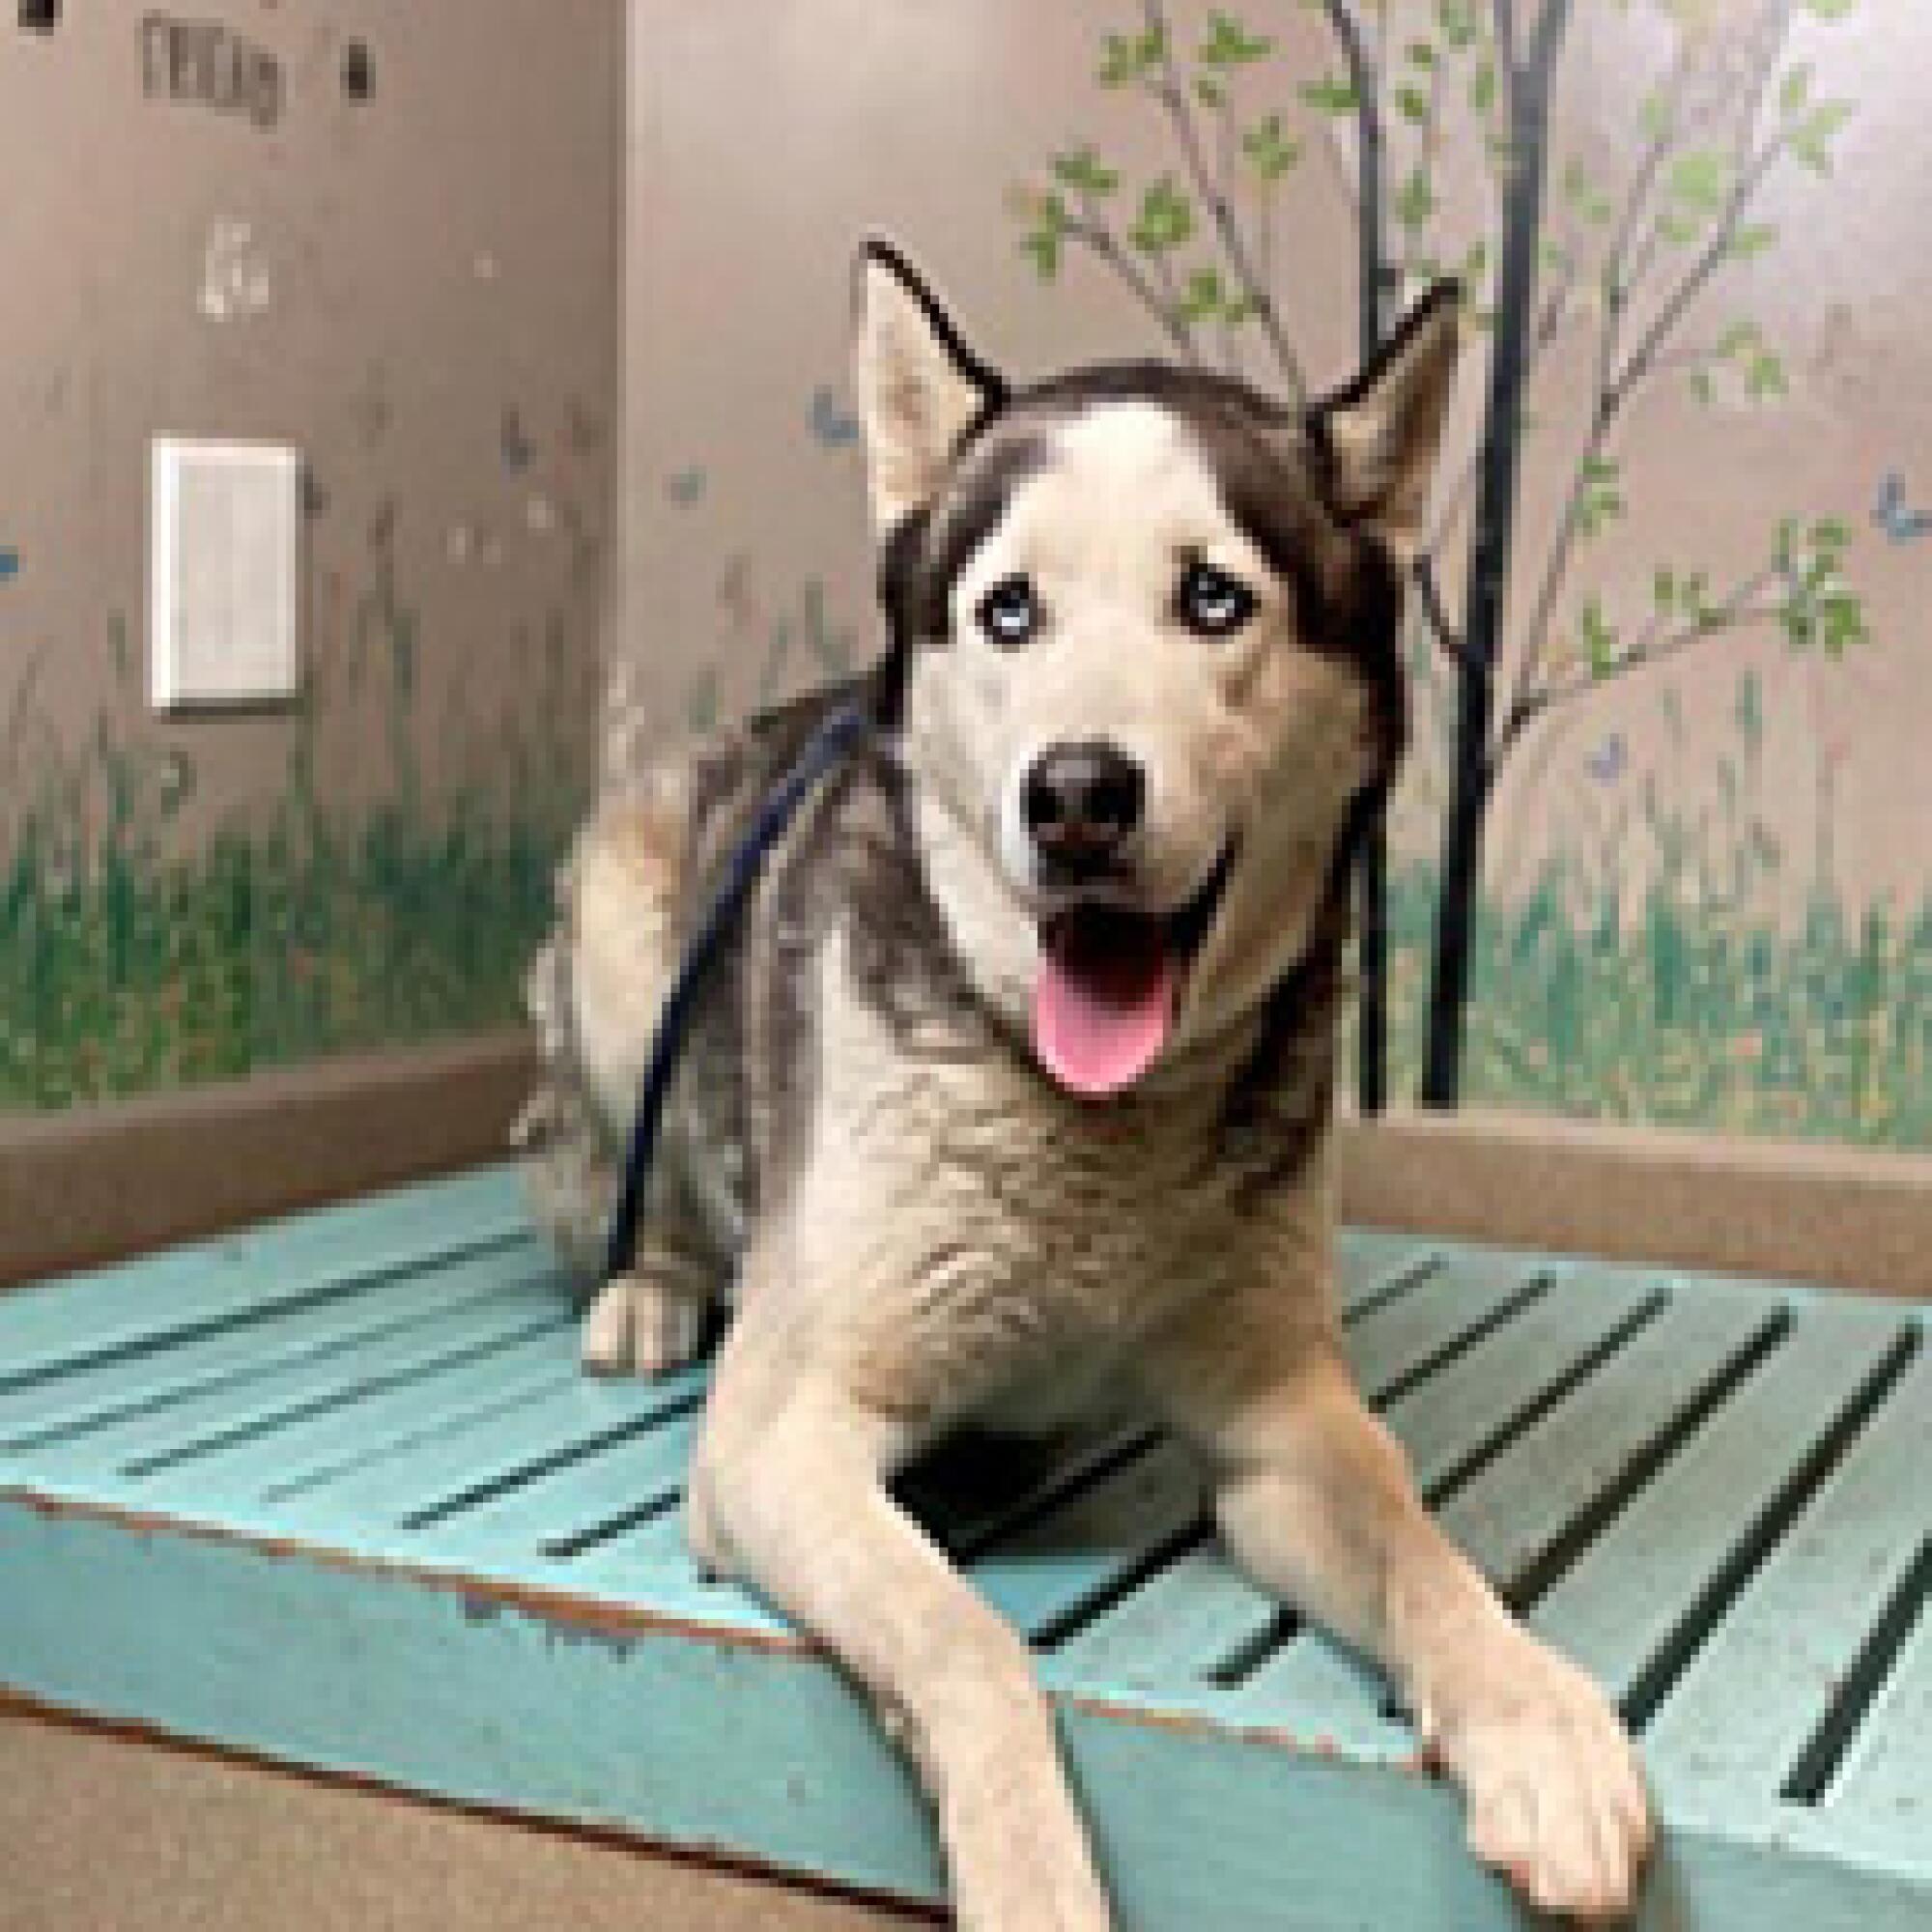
[(1751, 239), (1268, 149), (1229, 44), (1795, 89), (1330, 96), (1165, 221), (1415, 200), (1599, 639), (1412, 103), (1083, 170), (1459, 21), (1700, 178), (1121, 61), (1204, 297), (1811, 139), (1765, 375), (1041, 247)]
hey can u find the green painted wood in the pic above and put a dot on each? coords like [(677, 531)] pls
[(103, 1408), (1882, 1797), (166, 1298), (1618, 1605), (569, 1414), (336, 1492), (1750, 1698), (697, 1742)]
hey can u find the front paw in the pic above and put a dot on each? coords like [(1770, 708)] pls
[(1555, 1797), (642, 1325)]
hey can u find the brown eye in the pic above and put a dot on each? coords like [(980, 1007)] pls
[(1210, 603), (1009, 611)]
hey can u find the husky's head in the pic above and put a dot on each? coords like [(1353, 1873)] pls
[(1144, 661)]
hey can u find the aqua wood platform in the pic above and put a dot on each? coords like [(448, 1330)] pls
[(335, 1493)]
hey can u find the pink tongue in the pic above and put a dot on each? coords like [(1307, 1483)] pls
[(1104, 1004)]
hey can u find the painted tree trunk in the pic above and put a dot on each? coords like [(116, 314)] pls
[(1529, 90)]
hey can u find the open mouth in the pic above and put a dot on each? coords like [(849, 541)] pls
[(1111, 982)]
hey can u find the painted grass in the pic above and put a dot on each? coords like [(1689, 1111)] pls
[(124, 968), (128, 966), (1721, 1024)]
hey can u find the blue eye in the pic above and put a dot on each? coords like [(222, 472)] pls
[(1009, 611), (1210, 603)]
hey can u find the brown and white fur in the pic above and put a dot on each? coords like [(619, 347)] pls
[(920, 1225)]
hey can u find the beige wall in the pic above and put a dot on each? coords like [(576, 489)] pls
[(418, 287)]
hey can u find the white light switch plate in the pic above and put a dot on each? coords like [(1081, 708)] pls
[(224, 556)]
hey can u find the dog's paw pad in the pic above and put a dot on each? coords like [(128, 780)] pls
[(639, 1326)]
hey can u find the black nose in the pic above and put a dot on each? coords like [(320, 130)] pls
[(1082, 803)]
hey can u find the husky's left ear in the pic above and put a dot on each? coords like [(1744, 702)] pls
[(1382, 434), (919, 387)]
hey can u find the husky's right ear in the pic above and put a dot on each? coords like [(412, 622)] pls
[(919, 387)]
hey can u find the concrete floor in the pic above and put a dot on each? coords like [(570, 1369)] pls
[(98, 1833)]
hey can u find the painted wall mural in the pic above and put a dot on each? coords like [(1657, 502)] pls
[(416, 284), (1662, 852), (1441, 125)]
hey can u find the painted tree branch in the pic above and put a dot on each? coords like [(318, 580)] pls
[(1172, 97), (1094, 234), (1617, 376), (1740, 610), (1677, 305)]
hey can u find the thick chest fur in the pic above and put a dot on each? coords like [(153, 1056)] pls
[(984, 1240)]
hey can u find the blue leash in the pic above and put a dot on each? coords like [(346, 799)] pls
[(836, 737)]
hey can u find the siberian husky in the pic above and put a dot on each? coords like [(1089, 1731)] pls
[(1013, 1091)]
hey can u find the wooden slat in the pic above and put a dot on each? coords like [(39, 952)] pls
[(1754, 1693), (1619, 1602), (165, 1299), (1508, 1517), (1369, 1263), (574, 1413), (197, 1377), (520, 1346), (511, 1530), (222, 1469)]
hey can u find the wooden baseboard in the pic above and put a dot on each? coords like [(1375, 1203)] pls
[(96, 1185), (1845, 1217)]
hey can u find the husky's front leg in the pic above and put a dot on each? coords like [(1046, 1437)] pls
[(1316, 1503), (789, 1494)]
